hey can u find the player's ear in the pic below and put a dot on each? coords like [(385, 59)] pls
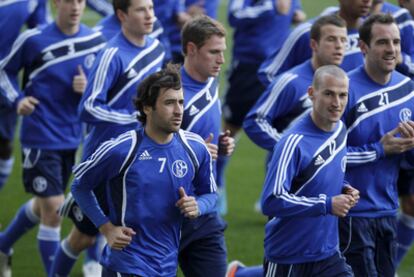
[(147, 110), (363, 46), (311, 92), (313, 44), (191, 48), (121, 15)]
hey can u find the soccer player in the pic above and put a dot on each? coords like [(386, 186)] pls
[(380, 129), (13, 15), (296, 48), (285, 100), (260, 27), (56, 59), (148, 173), (405, 227), (107, 107), (304, 191), (202, 246)]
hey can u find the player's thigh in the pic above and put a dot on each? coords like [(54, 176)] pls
[(45, 172), (333, 266), (243, 92), (8, 119), (386, 249), (357, 243), (206, 256)]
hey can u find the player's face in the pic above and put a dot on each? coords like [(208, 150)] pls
[(69, 13), (355, 8), (139, 19), (167, 116), (384, 50), (208, 59), (329, 101), (330, 49)]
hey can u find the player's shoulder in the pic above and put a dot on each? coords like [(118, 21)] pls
[(193, 139)]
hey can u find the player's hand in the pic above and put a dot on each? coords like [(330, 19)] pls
[(187, 204), (298, 16), (117, 237), (396, 145), (283, 6), (212, 148), (226, 143), (406, 129), (341, 204), (349, 190), (79, 81), (27, 105)]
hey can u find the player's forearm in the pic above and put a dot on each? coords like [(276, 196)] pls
[(207, 203)]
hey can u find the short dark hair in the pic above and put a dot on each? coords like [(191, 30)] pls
[(198, 30), (333, 19), (365, 30), (121, 5), (149, 89)]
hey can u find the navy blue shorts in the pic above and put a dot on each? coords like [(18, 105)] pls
[(202, 246), (369, 245), (47, 172), (330, 267), (244, 90), (8, 120), (405, 182), (72, 210)]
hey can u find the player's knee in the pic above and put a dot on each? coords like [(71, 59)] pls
[(6, 148), (79, 241)]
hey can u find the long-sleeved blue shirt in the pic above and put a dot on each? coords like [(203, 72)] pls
[(143, 179), (306, 170)]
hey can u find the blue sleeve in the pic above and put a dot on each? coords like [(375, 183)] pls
[(295, 50), (204, 182), (40, 16), (94, 107), (297, 5), (102, 7), (244, 15), (276, 199), (357, 155), (10, 66), (104, 164), (407, 45), (274, 103)]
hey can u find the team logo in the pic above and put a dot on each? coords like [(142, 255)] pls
[(179, 168), (77, 213), (89, 59), (343, 164), (405, 114), (39, 184)]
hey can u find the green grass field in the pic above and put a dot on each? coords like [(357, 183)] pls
[(245, 175)]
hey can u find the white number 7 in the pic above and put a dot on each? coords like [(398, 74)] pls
[(162, 160)]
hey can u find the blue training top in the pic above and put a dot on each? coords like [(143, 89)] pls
[(307, 169)]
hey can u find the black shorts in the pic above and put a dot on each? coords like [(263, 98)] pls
[(72, 210), (244, 90), (47, 172)]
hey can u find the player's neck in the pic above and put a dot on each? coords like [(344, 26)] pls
[(158, 135), (377, 76), (137, 40), (192, 71), (322, 124), (351, 22), (67, 29)]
